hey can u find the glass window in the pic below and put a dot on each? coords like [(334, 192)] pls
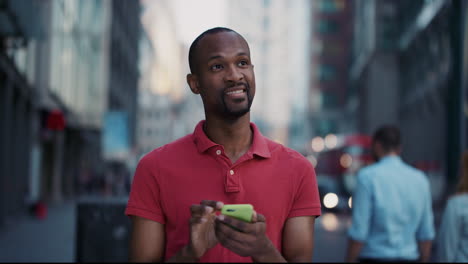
[(326, 126), (331, 6), (333, 49), (327, 26), (326, 72), (354, 150), (329, 100)]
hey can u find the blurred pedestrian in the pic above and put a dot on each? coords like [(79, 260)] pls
[(392, 217), (452, 240), (225, 160)]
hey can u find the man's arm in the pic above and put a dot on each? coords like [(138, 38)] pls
[(147, 242), (424, 250), (361, 217), (298, 239), (148, 237), (354, 248), (426, 231)]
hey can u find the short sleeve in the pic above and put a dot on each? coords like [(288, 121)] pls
[(307, 199), (362, 208), (144, 200)]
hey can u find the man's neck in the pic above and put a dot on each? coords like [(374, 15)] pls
[(389, 154), (235, 135)]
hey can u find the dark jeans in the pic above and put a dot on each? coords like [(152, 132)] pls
[(372, 260)]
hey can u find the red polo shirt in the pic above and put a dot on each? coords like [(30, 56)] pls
[(279, 182)]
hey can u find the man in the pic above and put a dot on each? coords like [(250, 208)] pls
[(225, 161), (392, 213)]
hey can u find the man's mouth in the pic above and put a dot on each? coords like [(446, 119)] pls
[(236, 91)]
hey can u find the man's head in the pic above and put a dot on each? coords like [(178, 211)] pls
[(222, 73), (386, 141)]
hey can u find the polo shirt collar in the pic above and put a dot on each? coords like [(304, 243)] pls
[(259, 143)]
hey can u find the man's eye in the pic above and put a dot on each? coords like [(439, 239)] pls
[(216, 67), (243, 63)]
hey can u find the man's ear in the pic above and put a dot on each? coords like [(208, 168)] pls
[(192, 81)]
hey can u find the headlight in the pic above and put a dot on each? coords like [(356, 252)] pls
[(330, 200)]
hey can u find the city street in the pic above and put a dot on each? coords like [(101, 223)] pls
[(28, 239), (330, 239), (54, 237), (89, 88)]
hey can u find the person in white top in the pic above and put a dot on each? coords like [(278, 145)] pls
[(452, 242)]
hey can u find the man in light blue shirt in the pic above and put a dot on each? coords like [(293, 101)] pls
[(392, 217)]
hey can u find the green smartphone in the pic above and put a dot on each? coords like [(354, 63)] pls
[(239, 211)]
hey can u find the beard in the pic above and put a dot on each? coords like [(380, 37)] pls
[(231, 113)]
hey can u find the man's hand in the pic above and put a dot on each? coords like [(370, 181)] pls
[(354, 248), (202, 227), (249, 240)]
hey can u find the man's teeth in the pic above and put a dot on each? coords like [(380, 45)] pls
[(236, 92)]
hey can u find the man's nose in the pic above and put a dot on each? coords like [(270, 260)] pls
[(233, 74)]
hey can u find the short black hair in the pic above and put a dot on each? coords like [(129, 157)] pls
[(192, 51), (389, 137)]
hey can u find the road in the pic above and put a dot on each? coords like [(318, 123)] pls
[(330, 237)]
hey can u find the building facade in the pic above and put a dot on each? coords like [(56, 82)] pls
[(54, 78), (123, 61), (331, 44), (277, 33), (406, 71), (166, 109)]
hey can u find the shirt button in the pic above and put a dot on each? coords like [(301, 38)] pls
[(232, 172), (218, 152)]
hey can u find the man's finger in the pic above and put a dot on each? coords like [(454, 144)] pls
[(231, 239), (217, 205), (254, 216), (197, 220), (260, 218), (200, 210), (227, 232), (257, 217), (238, 225)]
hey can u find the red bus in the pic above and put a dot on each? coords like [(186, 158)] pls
[(336, 168)]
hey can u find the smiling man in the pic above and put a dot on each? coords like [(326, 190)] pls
[(179, 189)]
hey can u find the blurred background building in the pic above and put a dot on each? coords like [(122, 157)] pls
[(406, 71), (89, 87), (168, 109), (65, 64), (276, 31), (330, 44)]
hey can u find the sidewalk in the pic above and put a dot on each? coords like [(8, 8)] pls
[(34, 240), (53, 239)]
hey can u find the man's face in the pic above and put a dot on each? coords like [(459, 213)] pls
[(225, 78)]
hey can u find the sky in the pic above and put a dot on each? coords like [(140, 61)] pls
[(194, 17)]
